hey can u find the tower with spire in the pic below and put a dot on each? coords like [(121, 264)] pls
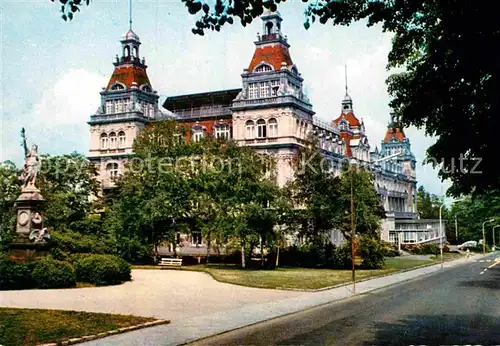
[(128, 103), (352, 130), (272, 113)]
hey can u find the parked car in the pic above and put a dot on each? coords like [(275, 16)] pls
[(467, 244)]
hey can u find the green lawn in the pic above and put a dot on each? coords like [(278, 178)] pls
[(301, 278), (26, 327)]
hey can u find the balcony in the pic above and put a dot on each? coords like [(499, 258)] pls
[(203, 112), (274, 100), (117, 117), (324, 125), (404, 215)]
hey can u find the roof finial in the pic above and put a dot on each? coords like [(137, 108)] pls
[(346, 79), (130, 14)]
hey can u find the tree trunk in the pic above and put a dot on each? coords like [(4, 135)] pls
[(277, 256), (261, 253), (208, 247), (242, 255)]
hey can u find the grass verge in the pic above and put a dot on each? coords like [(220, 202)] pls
[(26, 327), (302, 278)]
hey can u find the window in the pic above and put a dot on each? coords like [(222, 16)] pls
[(177, 138), (121, 139), (197, 135), (275, 85), (104, 141), (249, 129), (112, 170), (127, 104), (273, 127), (117, 86), (263, 68), (112, 140), (110, 107), (261, 129), (265, 89), (222, 131), (119, 106), (253, 91)]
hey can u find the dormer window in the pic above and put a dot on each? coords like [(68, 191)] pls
[(263, 68), (117, 86), (146, 88)]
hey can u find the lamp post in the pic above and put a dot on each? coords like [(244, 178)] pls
[(494, 245), (456, 230), (441, 234), (484, 235)]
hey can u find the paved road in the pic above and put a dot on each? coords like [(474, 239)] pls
[(458, 306)]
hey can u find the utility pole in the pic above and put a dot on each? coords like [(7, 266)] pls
[(353, 235), (484, 235), (456, 230)]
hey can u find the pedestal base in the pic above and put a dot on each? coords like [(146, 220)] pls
[(20, 251)]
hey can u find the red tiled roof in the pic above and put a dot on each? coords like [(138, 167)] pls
[(128, 74), (347, 139), (397, 134), (350, 117), (273, 55)]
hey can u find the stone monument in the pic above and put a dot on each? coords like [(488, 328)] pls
[(32, 239)]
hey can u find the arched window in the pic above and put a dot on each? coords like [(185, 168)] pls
[(121, 139), (117, 86), (273, 127), (126, 51), (263, 68), (261, 129), (197, 134), (249, 130), (136, 52), (222, 131), (269, 28), (112, 170), (112, 140), (104, 141)]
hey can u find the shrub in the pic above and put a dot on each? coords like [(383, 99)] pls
[(102, 270), (14, 276), (338, 257), (70, 242), (372, 252), (429, 249), (49, 273)]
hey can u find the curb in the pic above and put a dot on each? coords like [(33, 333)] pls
[(85, 338)]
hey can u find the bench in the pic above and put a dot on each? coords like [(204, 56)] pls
[(173, 262)]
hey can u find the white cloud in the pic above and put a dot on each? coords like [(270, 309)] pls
[(57, 122), (71, 100)]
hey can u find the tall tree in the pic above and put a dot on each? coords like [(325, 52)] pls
[(68, 184), (315, 192), (10, 189), (368, 210), (428, 204)]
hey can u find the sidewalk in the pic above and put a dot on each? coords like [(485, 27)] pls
[(188, 330)]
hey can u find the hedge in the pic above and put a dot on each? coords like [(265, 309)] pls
[(102, 270), (49, 273)]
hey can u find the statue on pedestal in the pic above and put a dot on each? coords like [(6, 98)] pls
[(29, 203), (31, 164)]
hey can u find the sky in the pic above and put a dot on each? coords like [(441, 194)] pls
[(51, 71)]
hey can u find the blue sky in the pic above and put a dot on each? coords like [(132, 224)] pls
[(51, 72)]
